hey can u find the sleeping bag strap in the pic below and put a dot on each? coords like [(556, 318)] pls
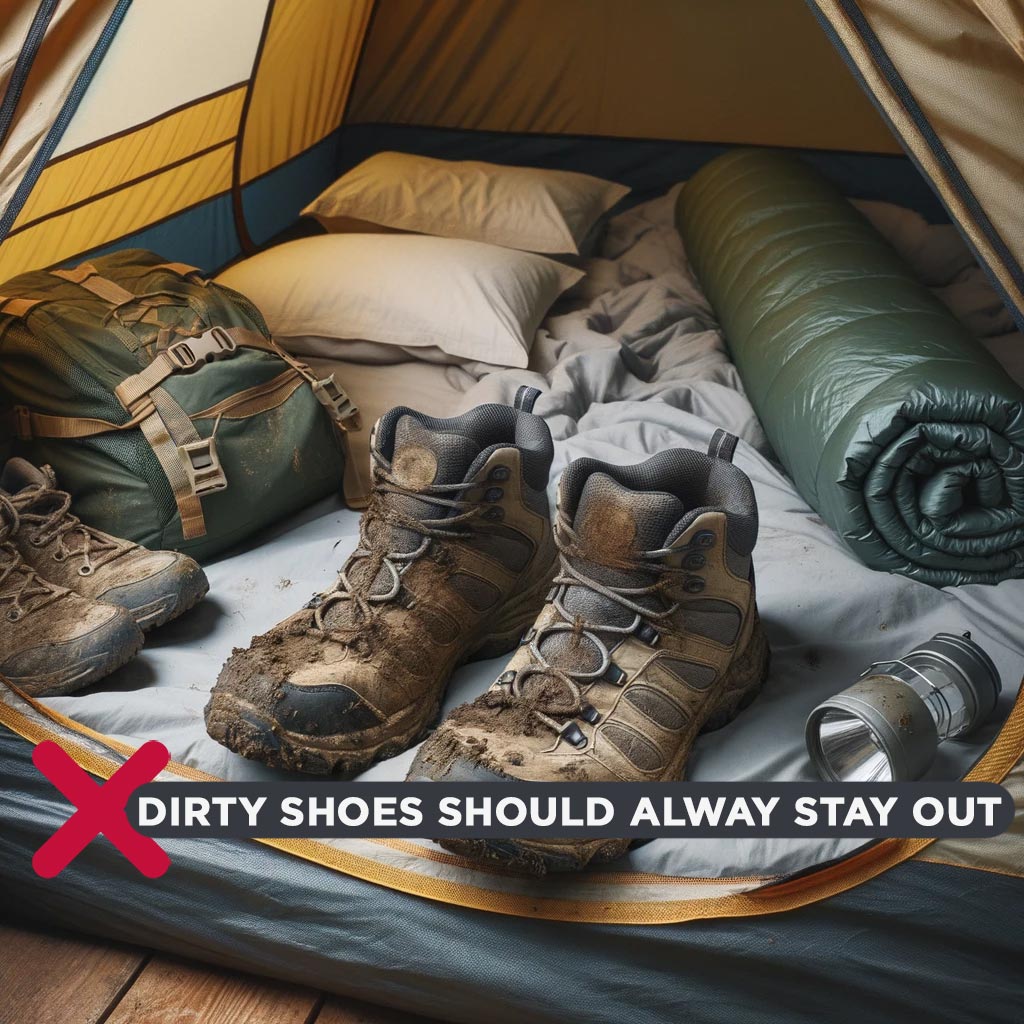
[(526, 398), (723, 445)]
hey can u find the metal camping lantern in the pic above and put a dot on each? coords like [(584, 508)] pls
[(888, 725)]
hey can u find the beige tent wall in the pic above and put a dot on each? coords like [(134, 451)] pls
[(70, 36), (734, 71), (963, 62)]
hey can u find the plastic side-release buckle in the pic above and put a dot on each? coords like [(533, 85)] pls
[(189, 353), (205, 473), (337, 403)]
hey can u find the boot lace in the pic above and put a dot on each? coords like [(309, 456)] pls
[(560, 692), (47, 510), (374, 553), (19, 584)]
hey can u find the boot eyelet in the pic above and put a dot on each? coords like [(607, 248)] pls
[(614, 675), (499, 473), (35, 540), (58, 557), (494, 514), (493, 494), (13, 615), (648, 635), (694, 561), (590, 714), (694, 586), (573, 734), (704, 539), (85, 570)]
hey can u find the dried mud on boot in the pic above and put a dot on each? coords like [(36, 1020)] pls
[(153, 586), (649, 637), (54, 642), (455, 555)]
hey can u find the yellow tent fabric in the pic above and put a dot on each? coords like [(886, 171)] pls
[(265, 82), (71, 33), (269, 80), (751, 73)]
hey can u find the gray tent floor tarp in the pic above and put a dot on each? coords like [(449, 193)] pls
[(921, 941)]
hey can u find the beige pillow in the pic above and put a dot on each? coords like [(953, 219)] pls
[(474, 301), (518, 207)]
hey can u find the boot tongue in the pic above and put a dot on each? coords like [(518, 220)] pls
[(613, 526), (421, 457), (18, 474), (34, 490)]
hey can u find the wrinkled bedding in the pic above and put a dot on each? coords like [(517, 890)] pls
[(631, 362)]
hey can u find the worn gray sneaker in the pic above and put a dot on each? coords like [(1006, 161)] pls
[(154, 586), (649, 637), (52, 641)]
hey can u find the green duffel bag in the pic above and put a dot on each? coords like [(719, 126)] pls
[(164, 405)]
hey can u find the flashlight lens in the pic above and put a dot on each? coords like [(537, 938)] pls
[(850, 750)]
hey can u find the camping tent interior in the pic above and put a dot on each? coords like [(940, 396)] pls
[(201, 129)]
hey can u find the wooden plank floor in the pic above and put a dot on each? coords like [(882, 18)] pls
[(49, 977)]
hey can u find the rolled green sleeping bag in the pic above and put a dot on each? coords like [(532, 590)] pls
[(896, 426)]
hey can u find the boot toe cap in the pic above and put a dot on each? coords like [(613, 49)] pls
[(324, 708), (327, 709), (168, 584), (64, 664), (444, 757)]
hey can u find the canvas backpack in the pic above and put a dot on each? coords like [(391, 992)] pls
[(164, 405)]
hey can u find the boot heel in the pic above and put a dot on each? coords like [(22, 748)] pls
[(744, 680)]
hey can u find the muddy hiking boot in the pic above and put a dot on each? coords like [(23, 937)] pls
[(154, 586), (454, 558), (52, 641), (649, 637)]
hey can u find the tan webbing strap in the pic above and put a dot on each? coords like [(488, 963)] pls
[(258, 399), (183, 356), (343, 412), (85, 274), (356, 483), (198, 457), (27, 424), (193, 524), (182, 270), (131, 389), (17, 307)]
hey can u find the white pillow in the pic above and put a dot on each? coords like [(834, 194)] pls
[(471, 300), (518, 207)]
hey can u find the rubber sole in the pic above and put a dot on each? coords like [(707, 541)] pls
[(743, 683), (164, 610), (77, 677), (241, 727)]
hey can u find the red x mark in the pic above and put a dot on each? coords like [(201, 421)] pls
[(100, 809)]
